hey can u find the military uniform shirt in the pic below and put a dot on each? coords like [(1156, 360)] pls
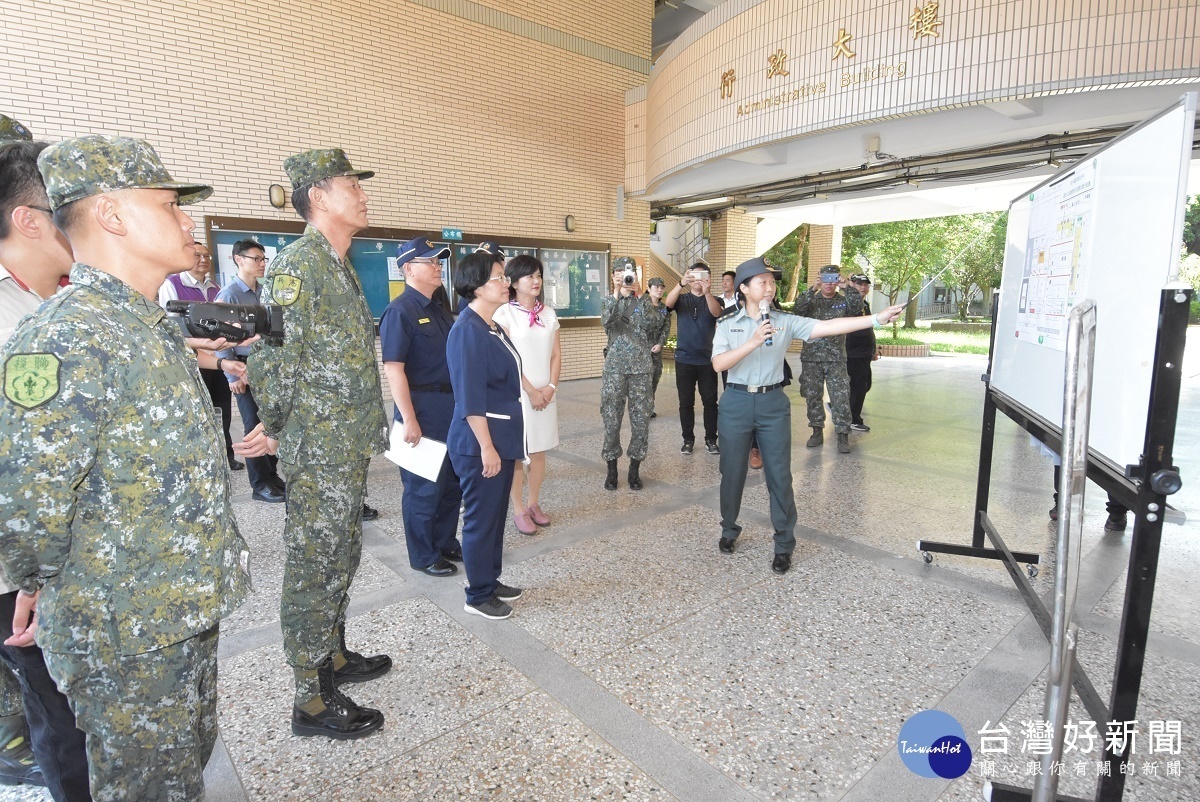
[(113, 478), (631, 327), (812, 304), (763, 365), (319, 392)]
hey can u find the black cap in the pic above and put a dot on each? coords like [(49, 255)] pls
[(861, 278)]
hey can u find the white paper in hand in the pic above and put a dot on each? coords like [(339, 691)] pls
[(424, 459)]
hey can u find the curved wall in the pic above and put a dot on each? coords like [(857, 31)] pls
[(753, 73)]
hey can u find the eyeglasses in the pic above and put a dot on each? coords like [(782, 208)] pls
[(261, 260), (425, 261), (502, 278), (40, 208)]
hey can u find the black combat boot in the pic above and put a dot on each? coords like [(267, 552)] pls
[(17, 764), (843, 442), (610, 483), (818, 437), (354, 666), (635, 481), (340, 718)]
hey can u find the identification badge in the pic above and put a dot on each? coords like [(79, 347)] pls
[(31, 380), (423, 320), (285, 289)]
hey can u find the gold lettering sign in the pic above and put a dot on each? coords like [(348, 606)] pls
[(842, 46), (925, 20), (727, 79), (775, 63)]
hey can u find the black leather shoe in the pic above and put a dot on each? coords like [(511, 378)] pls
[(342, 719), (440, 568), (726, 545), (781, 563), (234, 465), (268, 494), (278, 484), (360, 668), (454, 556), (369, 513)]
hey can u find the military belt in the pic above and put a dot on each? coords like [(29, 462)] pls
[(754, 388)]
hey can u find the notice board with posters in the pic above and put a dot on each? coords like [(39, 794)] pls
[(1106, 228), (579, 269)]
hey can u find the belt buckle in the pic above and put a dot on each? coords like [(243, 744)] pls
[(752, 388)]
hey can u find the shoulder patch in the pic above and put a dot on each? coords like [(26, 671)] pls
[(31, 380), (285, 289)]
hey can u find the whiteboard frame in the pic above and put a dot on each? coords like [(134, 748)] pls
[(1121, 404)]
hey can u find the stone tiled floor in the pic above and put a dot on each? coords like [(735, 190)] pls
[(643, 664)]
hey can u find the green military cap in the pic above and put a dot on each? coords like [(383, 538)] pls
[(92, 165), (12, 131), (307, 168), (624, 263)]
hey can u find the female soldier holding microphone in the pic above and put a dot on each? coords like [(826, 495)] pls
[(752, 346)]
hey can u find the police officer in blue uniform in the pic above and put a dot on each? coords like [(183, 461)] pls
[(413, 333), (754, 403), (487, 432)]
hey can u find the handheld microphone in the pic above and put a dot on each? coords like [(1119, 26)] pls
[(764, 316)]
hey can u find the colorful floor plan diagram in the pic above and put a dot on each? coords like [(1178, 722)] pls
[(1056, 257)]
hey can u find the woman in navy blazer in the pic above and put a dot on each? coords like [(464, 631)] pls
[(487, 432)]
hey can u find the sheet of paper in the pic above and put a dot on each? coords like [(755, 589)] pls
[(424, 459)]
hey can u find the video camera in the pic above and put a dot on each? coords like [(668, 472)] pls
[(235, 322)]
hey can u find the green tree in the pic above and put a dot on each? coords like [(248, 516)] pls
[(898, 255), (791, 255), (1191, 225), (975, 243)]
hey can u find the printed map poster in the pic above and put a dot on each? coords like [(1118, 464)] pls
[(1057, 257)]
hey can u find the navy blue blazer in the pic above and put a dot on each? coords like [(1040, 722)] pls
[(485, 371)]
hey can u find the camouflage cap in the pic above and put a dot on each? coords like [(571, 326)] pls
[(307, 168), (12, 131), (624, 263), (92, 165), (656, 282)]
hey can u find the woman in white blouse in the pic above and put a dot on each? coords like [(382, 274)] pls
[(533, 328)]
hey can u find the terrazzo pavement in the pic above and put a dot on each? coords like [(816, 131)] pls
[(643, 664)]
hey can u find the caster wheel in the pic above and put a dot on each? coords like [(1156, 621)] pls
[(1032, 570), (927, 557)]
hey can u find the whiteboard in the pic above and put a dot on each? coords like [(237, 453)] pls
[(1107, 228)]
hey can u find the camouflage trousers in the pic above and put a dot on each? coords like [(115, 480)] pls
[(10, 694), (814, 378), (323, 543), (656, 374), (150, 719), (615, 390)]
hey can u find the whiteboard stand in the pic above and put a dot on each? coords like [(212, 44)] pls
[(1143, 488)]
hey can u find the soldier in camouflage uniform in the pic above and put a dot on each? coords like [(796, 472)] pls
[(321, 408), (631, 326), (654, 292), (17, 763), (34, 259), (823, 362), (118, 521)]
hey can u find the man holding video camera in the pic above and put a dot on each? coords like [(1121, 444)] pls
[(628, 372), (251, 261), (696, 313)]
